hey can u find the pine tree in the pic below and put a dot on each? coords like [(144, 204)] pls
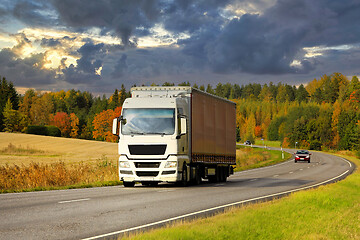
[(7, 91)]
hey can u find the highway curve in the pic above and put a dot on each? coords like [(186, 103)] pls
[(108, 211)]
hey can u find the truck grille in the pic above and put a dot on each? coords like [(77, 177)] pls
[(147, 165), (147, 173), (147, 149)]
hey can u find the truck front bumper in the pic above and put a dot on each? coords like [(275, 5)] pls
[(149, 170)]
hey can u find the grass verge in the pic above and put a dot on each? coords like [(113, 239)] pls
[(328, 212), (249, 158), (58, 175)]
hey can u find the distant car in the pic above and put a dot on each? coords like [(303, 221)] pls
[(302, 155), (247, 142)]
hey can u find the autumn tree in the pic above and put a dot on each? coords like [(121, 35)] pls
[(74, 122), (62, 121), (103, 125), (41, 109)]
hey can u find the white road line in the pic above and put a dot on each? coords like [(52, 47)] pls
[(275, 175), (168, 190), (252, 180), (212, 209), (348, 162), (291, 172), (300, 169), (76, 200)]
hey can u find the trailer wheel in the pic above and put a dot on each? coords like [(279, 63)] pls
[(197, 175), (225, 174), (129, 184), (219, 174)]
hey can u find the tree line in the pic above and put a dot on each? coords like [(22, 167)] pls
[(322, 114)]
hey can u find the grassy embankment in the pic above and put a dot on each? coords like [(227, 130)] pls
[(328, 212), (248, 158), (33, 163)]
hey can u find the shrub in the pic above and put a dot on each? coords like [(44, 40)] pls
[(53, 131), (44, 130)]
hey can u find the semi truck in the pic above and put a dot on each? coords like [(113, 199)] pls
[(175, 134)]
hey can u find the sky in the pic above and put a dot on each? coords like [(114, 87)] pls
[(98, 45)]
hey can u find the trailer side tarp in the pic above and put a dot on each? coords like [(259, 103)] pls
[(213, 129)]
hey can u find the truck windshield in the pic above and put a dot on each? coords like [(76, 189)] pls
[(148, 121)]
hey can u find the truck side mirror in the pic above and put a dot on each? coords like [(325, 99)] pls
[(115, 127), (183, 126), (183, 129)]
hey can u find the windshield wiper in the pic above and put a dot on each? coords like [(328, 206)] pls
[(160, 133), (136, 133)]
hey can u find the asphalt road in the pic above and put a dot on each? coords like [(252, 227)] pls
[(103, 212)]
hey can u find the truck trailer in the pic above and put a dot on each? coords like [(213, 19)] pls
[(175, 134)]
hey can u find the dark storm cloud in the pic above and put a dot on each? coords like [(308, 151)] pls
[(265, 41), (122, 17), (247, 45), (191, 15), (120, 67), (25, 72), (34, 13), (90, 60), (270, 42)]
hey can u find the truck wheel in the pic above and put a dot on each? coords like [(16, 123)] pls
[(129, 184), (184, 178)]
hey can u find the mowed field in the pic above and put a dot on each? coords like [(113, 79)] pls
[(47, 150)]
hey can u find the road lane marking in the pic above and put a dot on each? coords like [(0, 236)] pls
[(291, 172), (212, 209), (168, 190), (276, 175), (76, 200), (300, 169), (252, 180)]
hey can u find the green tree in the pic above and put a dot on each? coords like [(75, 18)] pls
[(301, 94), (114, 100), (123, 95), (7, 91), (209, 89), (167, 84), (13, 119)]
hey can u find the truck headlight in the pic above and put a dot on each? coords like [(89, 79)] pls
[(124, 164), (171, 164)]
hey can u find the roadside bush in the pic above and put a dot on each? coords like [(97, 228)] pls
[(44, 130), (315, 145), (53, 131)]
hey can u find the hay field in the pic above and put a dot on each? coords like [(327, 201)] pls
[(47, 150)]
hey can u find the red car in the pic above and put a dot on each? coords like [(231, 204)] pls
[(302, 155)]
